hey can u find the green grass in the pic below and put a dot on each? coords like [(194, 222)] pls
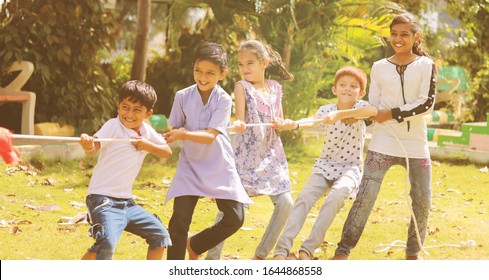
[(459, 212)]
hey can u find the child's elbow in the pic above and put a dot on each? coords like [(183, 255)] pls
[(168, 153), (165, 153)]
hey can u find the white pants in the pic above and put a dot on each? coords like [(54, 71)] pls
[(315, 187)]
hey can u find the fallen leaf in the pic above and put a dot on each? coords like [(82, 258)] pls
[(8, 194), (76, 204), (48, 182), (80, 218), (246, 228), (166, 182), (453, 190), (149, 185), (21, 222), (67, 190), (46, 207), (15, 230)]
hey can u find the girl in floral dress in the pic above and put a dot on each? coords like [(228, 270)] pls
[(260, 157)]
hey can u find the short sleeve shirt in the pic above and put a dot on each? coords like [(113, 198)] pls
[(207, 170), (342, 150), (119, 162)]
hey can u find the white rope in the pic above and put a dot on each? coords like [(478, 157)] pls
[(270, 124), (402, 244), (64, 138), (406, 193)]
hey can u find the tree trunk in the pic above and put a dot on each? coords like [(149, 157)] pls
[(138, 71), (288, 47)]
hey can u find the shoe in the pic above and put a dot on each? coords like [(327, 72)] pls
[(414, 258), (340, 257)]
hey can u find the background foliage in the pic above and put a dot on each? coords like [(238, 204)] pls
[(62, 39), (83, 53)]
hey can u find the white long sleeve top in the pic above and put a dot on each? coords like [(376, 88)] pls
[(409, 91)]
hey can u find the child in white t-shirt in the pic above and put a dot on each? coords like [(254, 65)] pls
[(111, 208)]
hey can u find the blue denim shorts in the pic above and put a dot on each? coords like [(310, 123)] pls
[(110, 216)]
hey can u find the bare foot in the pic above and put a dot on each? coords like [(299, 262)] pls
[(304, 256), (340, 257), (191, 254), (279, 258), (292, 257), (257, 258), (414, 258)]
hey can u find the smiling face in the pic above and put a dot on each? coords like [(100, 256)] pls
[(402, 38), (132, 114), (206, 75), (250, 67), (347, 89)]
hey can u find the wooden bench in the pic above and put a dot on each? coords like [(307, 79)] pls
[(13, 93)]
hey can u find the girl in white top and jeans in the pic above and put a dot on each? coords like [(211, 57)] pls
[(403, 89)]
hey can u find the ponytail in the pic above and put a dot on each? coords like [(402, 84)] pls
[(276, 67)]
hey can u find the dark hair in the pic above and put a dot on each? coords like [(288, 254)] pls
[(212, 52), (276, 67), (138, 91), (354, 72), (418, 47)]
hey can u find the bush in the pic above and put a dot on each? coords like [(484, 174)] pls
[(62, 39)]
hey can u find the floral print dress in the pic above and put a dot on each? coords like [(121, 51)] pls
[(260, 156)]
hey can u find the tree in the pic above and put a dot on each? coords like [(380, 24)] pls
[(314, 37), (62, 39), (471, 51), (141, 45)]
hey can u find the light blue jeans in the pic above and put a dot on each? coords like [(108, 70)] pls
[(282, 206), (376, 165), (315, 187), (111, 216)]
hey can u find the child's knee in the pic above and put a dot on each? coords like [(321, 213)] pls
[(233, 221), (103, 247), (285, 204)]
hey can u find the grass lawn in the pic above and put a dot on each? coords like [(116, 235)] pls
[(33, 199)]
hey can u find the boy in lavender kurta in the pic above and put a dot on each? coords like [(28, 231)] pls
[(206, 166)]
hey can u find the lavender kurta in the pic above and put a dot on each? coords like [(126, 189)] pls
[(206, 170)]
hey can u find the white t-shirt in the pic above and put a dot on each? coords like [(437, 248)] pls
[(342, 150), (409, 98), (119, 162)]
